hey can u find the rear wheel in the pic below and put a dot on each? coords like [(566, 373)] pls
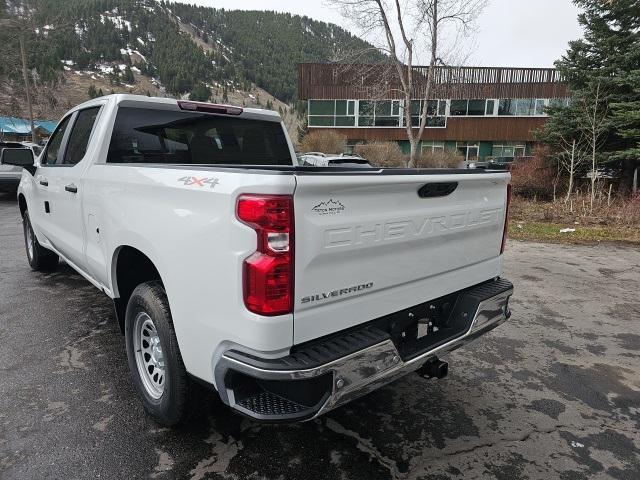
[(154, 358), (40, 258)]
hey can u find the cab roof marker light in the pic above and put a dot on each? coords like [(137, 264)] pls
[(209, 108)]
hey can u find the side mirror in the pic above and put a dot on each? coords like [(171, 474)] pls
[(18, 157)]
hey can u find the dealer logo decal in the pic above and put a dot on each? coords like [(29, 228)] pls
[(332, 207)]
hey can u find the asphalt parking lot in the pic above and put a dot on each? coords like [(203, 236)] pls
[(554, 393)]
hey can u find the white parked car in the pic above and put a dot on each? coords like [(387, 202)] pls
[(289, 290), (316, 159), (9, 175)]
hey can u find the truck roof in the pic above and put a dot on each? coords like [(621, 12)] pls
[(130, 100)]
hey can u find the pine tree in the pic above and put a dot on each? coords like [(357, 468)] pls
[(128, 75), (200, 93), (606, 62)]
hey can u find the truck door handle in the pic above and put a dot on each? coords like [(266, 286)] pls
[(44, 182), (71, 188)]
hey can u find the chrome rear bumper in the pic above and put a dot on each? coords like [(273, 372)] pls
[(353, 375)]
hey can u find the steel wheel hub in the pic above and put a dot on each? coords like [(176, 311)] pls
[(148, 353)]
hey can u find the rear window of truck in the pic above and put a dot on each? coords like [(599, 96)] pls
[(144, 135)]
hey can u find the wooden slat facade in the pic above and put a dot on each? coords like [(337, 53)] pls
[(317, 81), (495, 129)]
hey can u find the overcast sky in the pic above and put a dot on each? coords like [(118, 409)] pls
[(511, 33)]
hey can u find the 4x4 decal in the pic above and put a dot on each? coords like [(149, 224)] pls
[(199, 182)]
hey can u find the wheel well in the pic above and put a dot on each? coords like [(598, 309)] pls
[(132, 268), (22, 203)]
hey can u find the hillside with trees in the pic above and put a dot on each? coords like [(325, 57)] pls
[(160, 48)]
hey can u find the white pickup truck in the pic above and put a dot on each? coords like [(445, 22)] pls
[(289, 289)]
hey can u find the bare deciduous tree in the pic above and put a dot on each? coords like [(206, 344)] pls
[(570, 157), (404, 29), (595, 111)]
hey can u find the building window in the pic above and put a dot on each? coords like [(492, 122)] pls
[(321, 121), (384, 114), (469, 150), (458, 108), (559, 102), (436, 113), (390, 113), (508, 150), (366, 113), (524, 107), (432, 147), (506, 107), (332, 113), (473, 107), (489, 109), (381, 113), (541, 104), (521, 107), (322, 107), (476, 107)]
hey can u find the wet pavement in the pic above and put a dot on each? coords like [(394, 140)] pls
[(553, 393)]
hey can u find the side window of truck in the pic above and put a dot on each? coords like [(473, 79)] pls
[(54, 145), (80, 134)]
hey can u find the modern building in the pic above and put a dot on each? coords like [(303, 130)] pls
[(479, 111)]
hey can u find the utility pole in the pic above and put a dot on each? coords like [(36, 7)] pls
[(25, 75)]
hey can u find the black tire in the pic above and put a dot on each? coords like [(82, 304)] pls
[(40, 258), (170, 408)]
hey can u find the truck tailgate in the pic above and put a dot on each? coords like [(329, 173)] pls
[(370, 244)]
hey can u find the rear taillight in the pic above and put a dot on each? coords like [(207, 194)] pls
[(506, 220), (268, 272)]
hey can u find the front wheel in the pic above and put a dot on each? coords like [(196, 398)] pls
[(154, 358), (40, 258)]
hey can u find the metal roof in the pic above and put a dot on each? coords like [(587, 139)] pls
[(21, 126)]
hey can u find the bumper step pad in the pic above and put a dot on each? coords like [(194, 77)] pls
[(269, 404)]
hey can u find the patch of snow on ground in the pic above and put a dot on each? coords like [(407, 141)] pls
[(117, 20), (104, 68), (140, 41)]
